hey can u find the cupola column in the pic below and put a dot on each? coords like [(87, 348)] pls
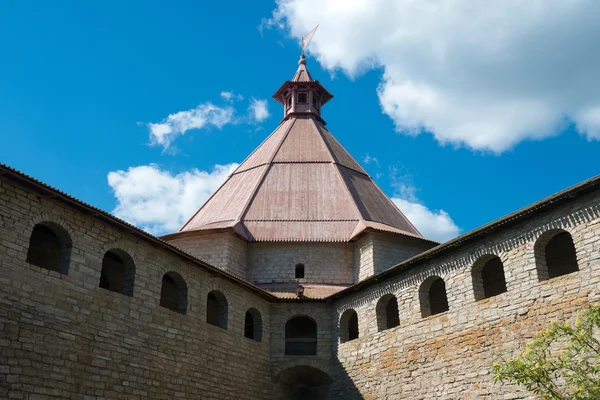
[(294, 100)]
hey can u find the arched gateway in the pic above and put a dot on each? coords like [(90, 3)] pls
[(303, 382)]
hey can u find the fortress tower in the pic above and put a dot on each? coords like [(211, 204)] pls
[(299, 279), (300, 209)]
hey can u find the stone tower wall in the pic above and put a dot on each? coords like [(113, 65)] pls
[(328, 263), (223, 250), (377, 251), (64, 337), (449, 355)]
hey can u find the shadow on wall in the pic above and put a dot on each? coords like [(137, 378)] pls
[(304, 382), (342, 386)]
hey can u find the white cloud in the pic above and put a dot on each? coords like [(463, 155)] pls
[(207, 114), (258, 110), (485, 74), (159, 202), (231, 96), (163, 133), (436, 225), (367, 159)]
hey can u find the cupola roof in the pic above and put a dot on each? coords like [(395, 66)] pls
[(302, 81)]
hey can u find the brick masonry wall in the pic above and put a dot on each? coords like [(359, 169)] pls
[(450, 355), (64, 337), (328, 263), (223, 250)]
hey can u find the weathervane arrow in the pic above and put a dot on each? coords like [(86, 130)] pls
[(306, 40)]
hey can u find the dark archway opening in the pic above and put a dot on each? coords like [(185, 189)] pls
[(438, 300), (560, 256), (253, 325), (216, 309), (303, 393), (348, 326), (301, 337), (353, 327), (488, 277), (118, 272), (387, 312), (303, 382), (433, 297), (173, 293), (50, 247), (555, 254)]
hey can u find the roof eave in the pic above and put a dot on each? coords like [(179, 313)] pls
[(365, 227), (326, 96)]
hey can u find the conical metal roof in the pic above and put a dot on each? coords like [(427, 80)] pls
[(300, 184)]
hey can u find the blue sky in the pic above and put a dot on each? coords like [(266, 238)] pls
[(474, 126)]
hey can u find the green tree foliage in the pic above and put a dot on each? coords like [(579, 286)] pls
[(561, 362)]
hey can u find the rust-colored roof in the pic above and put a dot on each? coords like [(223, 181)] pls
[(300, 184)]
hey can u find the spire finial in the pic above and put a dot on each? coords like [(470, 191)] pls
[(302, 60)]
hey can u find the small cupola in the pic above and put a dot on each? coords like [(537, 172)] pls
[(302, 95)]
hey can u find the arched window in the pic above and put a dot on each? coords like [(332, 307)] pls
[(173, 293), (432, 296), (302, 98), (348, 326), (488, 277), (289, 101), (118, 272), (387, 312), (50, 247), (555, 254), (216, 309), (299, 271), (301, 337), (253, 325)]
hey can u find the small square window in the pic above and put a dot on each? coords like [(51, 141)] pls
[(299, 271), (302, 98)]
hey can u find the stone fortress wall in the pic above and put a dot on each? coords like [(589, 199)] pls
[(64, 336), (450, 354)]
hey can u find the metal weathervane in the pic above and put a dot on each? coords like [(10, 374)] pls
[(306, 40)]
